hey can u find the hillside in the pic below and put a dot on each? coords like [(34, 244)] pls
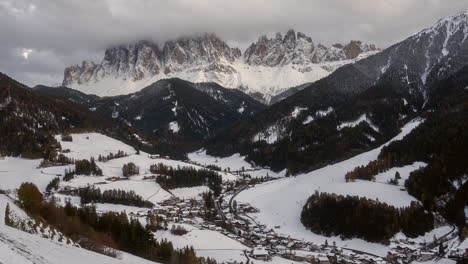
[(20, 247), (356, 108), (29, 121), (176, 114)]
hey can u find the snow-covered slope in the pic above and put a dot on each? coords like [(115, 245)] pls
[(14, 171), (399, 81), (284, 210), (19, 247), (267, 67)]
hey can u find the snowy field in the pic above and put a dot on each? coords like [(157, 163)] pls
[(236, 162), (404, 171), (87, 145), (208, 243), (190, 192), (14, 171), (284, 210)]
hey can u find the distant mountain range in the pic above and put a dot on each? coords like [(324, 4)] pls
[(266, 68), (357, 107)]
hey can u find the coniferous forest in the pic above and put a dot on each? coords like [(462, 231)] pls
[(130, 198), (186, 177), (352, 216), (441, 142)]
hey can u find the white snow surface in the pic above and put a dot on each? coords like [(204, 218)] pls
[(404, 171), (206, 243), (362, 118), (297, 110), (284, 210), (190, 192), (270, 135), (263, 79), (87, 145), (237, 74), (174, 126), (14, 171), (308, 120), (319, 113), (19, 247), (236, 162)]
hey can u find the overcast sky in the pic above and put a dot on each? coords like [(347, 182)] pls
[(39, 38)]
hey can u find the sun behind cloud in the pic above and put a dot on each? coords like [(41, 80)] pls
[(25, 53)]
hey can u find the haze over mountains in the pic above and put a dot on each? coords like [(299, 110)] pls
[(266, 68)]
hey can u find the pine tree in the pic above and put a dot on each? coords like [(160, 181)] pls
[(8, 220), (397, 175)]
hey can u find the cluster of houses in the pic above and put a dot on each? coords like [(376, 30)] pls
[(234, 222), (407, 250), (266, 243), (177, 210)]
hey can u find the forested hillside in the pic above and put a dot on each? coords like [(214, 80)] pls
[(29, 121)]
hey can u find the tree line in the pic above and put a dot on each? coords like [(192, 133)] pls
[(441, 142), (111, 229), (187, 177), (110, 156), (94, 195), (83, 167), (353, 216)]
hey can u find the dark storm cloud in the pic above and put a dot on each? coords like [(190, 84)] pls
[(54, 34)]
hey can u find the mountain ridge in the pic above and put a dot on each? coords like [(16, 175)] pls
[(268, 66), (355, 107), (177, 114)]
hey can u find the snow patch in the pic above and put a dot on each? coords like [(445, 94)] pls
[(174, 126), (297, 111), (190, 192), (269, 135), (308, 120), (362, 118), (236, 162)]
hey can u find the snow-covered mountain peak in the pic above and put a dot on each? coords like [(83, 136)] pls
[(449, 26), (268, 67), (297, 48)]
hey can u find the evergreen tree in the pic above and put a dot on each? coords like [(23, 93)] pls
[(397, 175), (29, 196), (8, 220)]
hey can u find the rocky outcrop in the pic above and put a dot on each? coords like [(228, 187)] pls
[(129, 68), (299, 49)]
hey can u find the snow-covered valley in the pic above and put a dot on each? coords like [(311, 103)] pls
[(276, 215)]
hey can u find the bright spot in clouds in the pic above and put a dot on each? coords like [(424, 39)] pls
[(25, 53)]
